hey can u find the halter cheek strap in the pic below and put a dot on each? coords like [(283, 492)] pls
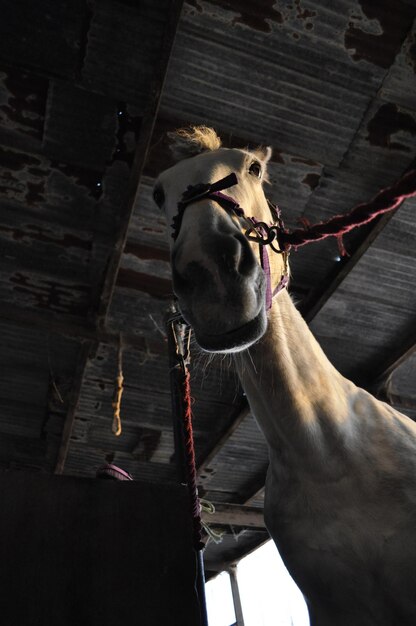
[(265, 234)]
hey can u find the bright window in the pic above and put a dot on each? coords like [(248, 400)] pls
[(220, 604), (269, 597)]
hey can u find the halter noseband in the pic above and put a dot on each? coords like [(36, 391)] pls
[(265, 234)]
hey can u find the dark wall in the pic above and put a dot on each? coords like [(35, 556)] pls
[(77, 552)]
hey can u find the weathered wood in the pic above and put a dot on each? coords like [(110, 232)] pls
[(78, 329), (403, 352), (146, 131), (317, 297), (235, 515), (236, 596), (83, 358)]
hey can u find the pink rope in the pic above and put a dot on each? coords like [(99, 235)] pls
[(386, 200)]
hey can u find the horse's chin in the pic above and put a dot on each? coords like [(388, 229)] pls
[(234, 340)]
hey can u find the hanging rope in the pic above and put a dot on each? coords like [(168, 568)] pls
[(118, 392), (386, 200), (190, 461), (182, 336)]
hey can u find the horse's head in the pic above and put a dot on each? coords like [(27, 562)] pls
[(217, 275)]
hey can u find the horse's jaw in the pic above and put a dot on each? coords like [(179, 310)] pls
[(234, 340)]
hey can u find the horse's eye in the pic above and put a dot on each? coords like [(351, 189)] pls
[(255, 169), (159, 196)]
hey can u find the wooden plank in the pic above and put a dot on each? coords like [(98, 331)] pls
[(235, 515), (83, 357), (258, 495), (236, 596)]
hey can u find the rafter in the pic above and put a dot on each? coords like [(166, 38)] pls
[(83, 358), (235, 515), (402, 353), (317, 297), (141, 153)]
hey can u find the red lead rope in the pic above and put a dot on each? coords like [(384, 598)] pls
[(179, 335), (386, 200), (190, 460)]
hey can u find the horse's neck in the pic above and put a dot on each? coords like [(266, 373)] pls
[(298, 398)]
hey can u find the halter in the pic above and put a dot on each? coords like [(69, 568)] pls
[(260, 232)]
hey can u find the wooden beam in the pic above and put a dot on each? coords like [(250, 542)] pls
[(399, 356), (83, 357), (235, 515), (146, 131), (317, 297), (215, 567), (238, 609), (258, 495)]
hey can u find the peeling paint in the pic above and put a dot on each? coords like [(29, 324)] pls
[(146, 252), (312, 180), (379, 48), (305, 161), (304, 14), (26, 178), (248, 13), (17, 160), (153, 285), (85, 178), (26, 101), (48, 294), (35, 192), (387, 121), (260, 17), (37, 233)]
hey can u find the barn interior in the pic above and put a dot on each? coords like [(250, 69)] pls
[(88, 91)]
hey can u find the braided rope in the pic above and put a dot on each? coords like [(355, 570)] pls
[(190, 460), (386, 200)]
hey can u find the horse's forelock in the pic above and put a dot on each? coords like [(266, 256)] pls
[(188, 142)]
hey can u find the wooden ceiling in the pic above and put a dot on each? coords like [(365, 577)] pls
[(88, 89)]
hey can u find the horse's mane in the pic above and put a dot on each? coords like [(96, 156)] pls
[(188, 142)]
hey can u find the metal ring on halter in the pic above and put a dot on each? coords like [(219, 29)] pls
[(259, 228)]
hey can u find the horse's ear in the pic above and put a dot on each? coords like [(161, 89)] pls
[(263, 153), (188, 142)]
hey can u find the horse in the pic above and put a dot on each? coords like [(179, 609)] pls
[(340, 496)]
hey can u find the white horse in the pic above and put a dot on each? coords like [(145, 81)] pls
[(340, 498)]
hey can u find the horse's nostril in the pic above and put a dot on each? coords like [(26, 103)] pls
[(245, 257), (192, 277)]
